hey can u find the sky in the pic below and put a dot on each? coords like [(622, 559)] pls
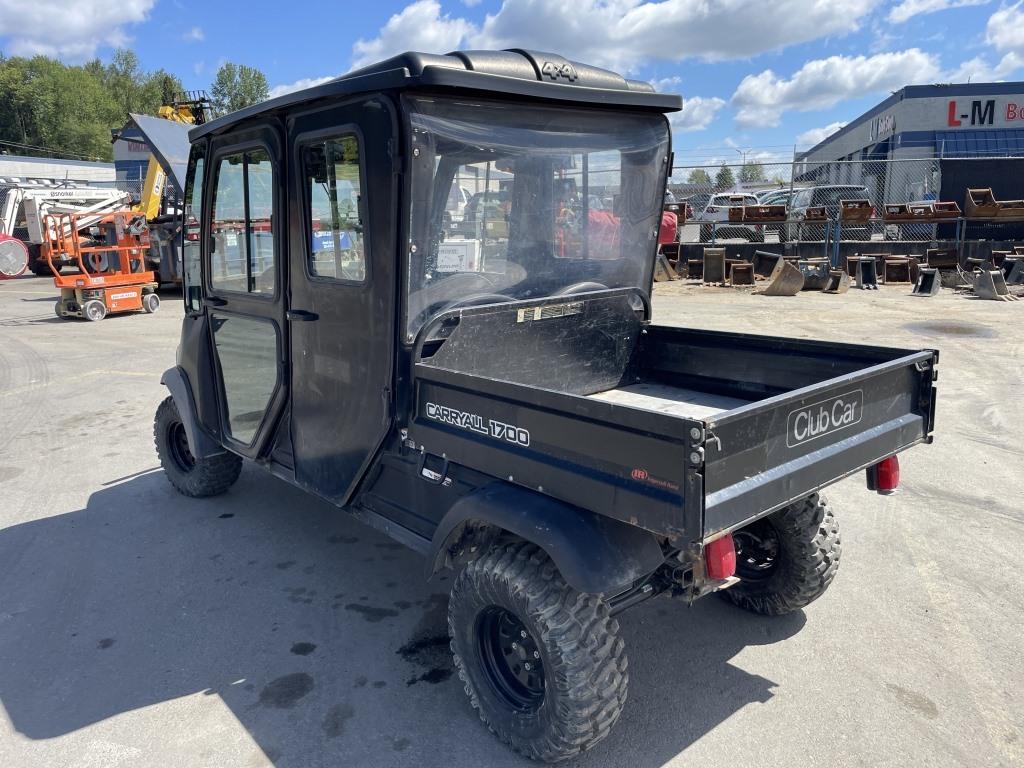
[(758, 77)]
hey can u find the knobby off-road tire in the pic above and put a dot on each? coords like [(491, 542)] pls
[(193, 477), (583, 666), (807, 550)]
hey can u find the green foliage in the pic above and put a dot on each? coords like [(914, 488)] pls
[(724, 179), (72, 109), (752, 172), (237, 86), (698, 176)]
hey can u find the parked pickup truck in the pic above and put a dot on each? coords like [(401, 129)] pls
[(499, 399)]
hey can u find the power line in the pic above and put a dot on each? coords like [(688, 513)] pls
[(50, 150)]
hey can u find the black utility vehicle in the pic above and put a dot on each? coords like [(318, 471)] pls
[(494, 395)]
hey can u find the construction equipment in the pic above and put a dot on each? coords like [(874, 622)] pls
[(714, 266), (785, 280), (815, 272), (989, 284), (1013, 270), (111, 262), (764, 262), (928, 282), (865, 272), (25, 202), (838, 282), (663, 271), (741, 273)]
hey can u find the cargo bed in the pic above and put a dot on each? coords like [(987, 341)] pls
[(687, 433)]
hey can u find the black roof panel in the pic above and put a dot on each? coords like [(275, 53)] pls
[(516, 72)]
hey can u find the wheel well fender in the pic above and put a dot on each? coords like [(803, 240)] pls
[(199, 442), (594, 553)]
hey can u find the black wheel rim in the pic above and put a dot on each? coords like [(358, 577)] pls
[(177, 442), (511, 659), (757, 551)]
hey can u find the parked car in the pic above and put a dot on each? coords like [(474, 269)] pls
[(717, 210), (458, 198), (829, 197)]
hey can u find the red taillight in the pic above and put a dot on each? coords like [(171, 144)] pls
[(884, 477), (720, 558)]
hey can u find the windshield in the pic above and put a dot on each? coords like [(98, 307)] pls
[(560, 201)]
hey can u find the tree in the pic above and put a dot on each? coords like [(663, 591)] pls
[(724, 178), (237, 86), (699, 177), (752, 172)]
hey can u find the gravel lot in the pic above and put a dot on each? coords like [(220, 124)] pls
[(140, 628)]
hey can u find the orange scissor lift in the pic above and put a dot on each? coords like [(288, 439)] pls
[(110, 254)]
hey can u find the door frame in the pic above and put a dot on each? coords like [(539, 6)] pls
[(266, 135)]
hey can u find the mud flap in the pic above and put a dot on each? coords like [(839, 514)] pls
[(816, 274), (785, 280), (989, 284), (838, 282), (928, 282)]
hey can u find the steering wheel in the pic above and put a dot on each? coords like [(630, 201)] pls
[(584, 287), (478, 299)]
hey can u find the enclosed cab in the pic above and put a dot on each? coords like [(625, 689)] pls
[(486, 385)]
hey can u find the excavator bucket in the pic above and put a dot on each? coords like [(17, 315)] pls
[(815, 274), (663, 271), (838, 281), (785, 280), (989, 284), (1013, 271), (928, 282), (714, 265), (764, 263), (866, 274)]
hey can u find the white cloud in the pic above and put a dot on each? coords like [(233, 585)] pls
[(762, 99), (298, 85), (1005, 33), (69, 31), (621, 34), (667, 84), (471, 3), (697, 114), (908, 9), (418, 27), (194, 35), (816, 135)]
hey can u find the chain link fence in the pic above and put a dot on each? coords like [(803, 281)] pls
[(710, 190)]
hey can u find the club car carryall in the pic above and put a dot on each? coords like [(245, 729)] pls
[(421, 291)]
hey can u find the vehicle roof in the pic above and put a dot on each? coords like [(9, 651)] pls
[(515, 72)]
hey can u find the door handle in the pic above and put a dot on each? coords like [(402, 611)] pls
[(301, 315), (213, 301)]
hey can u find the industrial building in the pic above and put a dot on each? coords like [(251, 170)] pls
[(938, 140)]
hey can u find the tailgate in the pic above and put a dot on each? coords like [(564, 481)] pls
[(765, 455)]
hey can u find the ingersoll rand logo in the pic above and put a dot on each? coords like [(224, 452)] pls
[(824, 417)]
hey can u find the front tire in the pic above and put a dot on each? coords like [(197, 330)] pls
[(788, 559), (542, 664), (191, 476)]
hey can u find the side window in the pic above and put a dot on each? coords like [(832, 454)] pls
[(334, 201), (242, 236), (190, 244)]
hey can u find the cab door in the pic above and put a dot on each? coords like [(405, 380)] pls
[(245, 227), (341, 313)]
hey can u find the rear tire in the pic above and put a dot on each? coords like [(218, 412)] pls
[(191, 476), (512, 612), (787, 560), (150, 303)]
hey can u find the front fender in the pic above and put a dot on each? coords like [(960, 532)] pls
[(594, 553), (199, 442)]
